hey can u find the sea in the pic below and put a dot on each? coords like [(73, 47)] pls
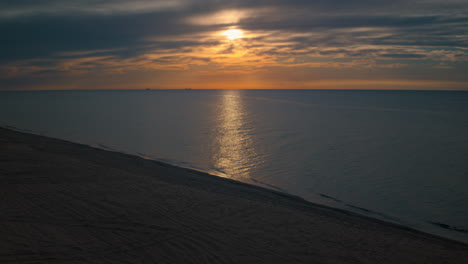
[(398, 156)]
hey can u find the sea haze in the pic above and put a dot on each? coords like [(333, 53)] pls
[(401, 156)]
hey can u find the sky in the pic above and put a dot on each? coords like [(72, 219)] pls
[(236, 44)]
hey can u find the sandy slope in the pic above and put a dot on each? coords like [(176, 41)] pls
[(68, 203)]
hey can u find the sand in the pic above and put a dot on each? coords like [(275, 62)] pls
[(63, 202)]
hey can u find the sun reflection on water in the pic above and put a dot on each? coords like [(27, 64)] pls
[(235, 155)]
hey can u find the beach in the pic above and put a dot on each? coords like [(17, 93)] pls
[(64, 202)]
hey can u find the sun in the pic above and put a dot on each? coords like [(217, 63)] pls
[(233, 34)]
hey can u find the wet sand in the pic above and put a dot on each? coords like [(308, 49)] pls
[(63, 202)]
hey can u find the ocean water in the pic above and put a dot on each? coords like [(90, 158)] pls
[(401, 156)]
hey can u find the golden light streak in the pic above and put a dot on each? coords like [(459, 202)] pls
[(235, 155)]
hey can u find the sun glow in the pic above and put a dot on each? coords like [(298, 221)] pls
[(233, 34)]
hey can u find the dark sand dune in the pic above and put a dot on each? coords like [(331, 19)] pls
[(67, 203)]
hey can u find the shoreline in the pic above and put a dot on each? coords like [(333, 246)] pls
[(423, 227), (91, 166)]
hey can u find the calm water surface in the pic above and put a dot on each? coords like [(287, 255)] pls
[(401, 156)]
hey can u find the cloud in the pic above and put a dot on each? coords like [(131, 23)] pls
[(403, 56), (122, 35), (61, 38), (22, 8)]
